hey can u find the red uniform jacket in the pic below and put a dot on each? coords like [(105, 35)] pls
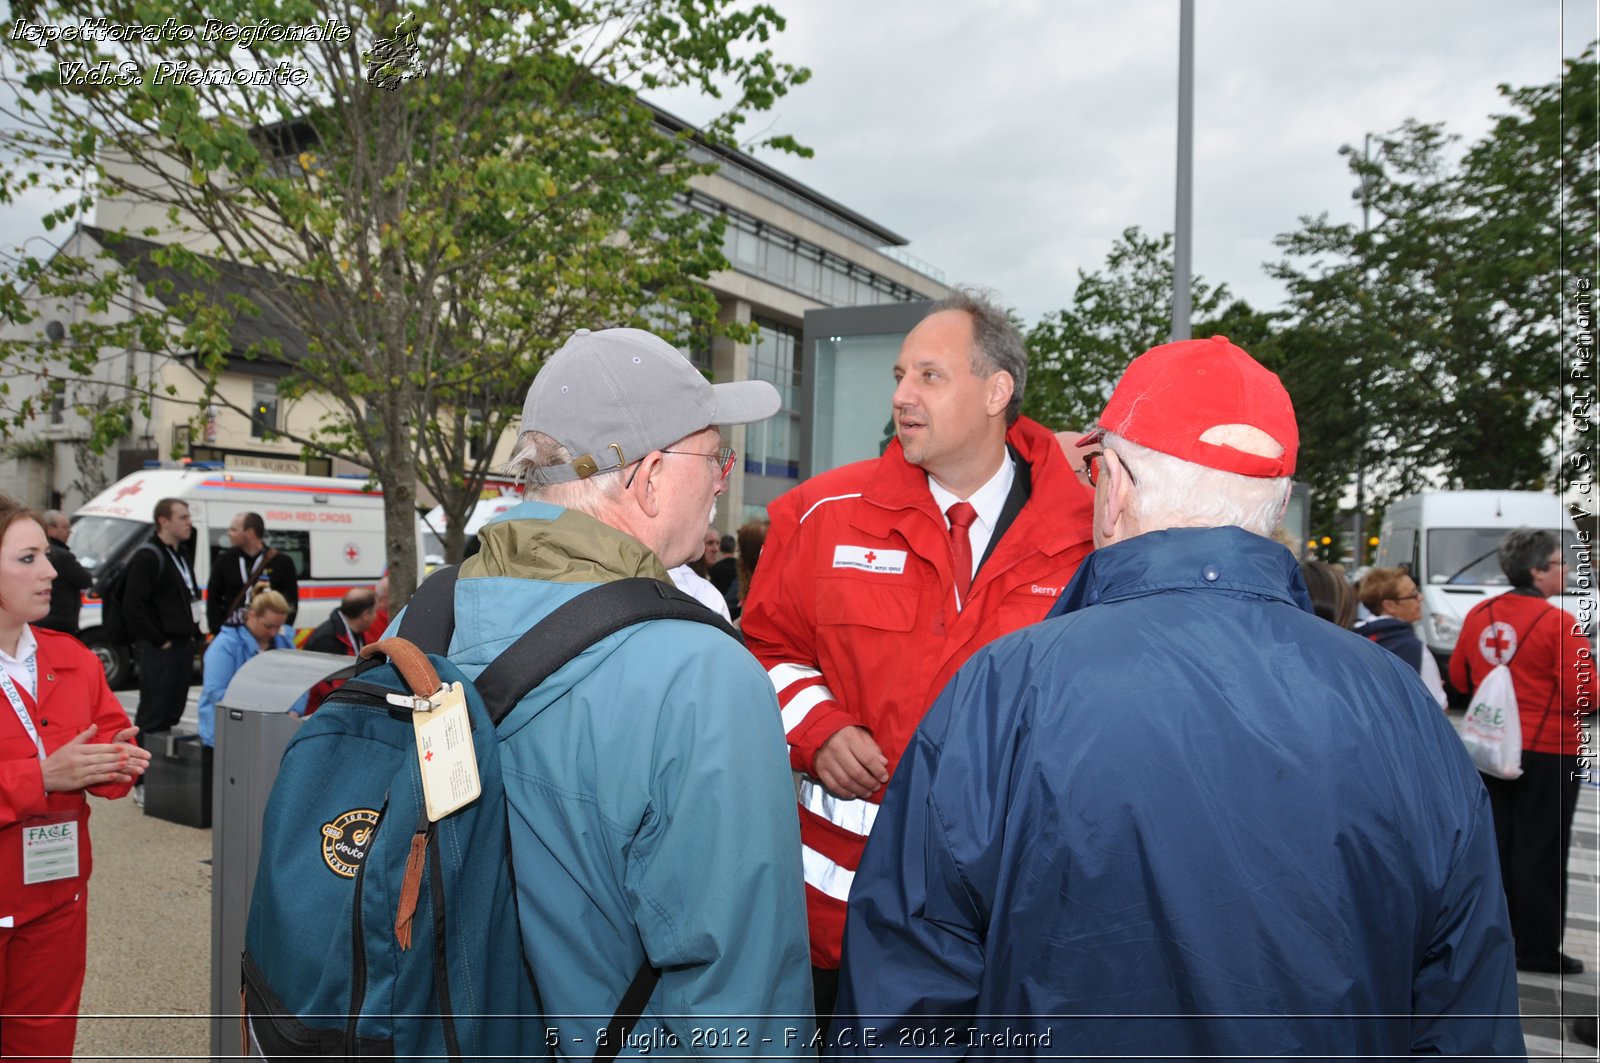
[(72, 695), (1552, 665), (853, 613)]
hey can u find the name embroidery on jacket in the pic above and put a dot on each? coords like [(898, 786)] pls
[(869, 559)]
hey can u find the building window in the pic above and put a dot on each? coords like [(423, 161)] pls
[(263, 409), (478, 439), (759, 250), (58, 401), (773, 445)]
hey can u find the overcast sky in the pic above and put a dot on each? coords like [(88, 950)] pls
[(1011, 141)]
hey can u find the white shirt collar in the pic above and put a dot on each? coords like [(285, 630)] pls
[(27, 646), (23, 668), (988, 500)]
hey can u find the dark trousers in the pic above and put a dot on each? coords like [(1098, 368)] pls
[(825, 992), (164, 677), (1533, 825)]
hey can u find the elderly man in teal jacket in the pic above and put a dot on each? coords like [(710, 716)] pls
[(651, 808)]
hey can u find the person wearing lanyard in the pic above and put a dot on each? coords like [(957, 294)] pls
[(342, 633), (161, 606), (62, 735)]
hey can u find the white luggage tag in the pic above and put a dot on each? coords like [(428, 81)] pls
[(444, 749)]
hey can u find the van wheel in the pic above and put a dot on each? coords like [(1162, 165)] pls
[(116, 660)]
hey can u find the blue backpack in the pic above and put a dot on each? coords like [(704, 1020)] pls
[(374, 932)]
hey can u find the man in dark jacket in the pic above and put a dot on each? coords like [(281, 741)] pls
[(342, 633), (245, 566), (1183, 816), (72, 579), (161, 607)]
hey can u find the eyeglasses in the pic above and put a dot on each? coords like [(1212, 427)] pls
[(1554, 562), (724, 458), (1406, 597), (1091, 465)]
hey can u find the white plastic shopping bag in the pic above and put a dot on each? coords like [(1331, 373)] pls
[(1492, 729)]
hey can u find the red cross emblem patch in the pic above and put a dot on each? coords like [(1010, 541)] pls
[(1498, 642)]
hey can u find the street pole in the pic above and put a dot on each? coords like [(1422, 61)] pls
[(1182, 229), (1361, 407)]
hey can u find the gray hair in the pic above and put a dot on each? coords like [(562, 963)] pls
[(536, 451), (1173, 493), (1524, 550), (996, 343)]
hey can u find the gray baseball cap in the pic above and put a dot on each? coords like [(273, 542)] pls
[(613, 396)]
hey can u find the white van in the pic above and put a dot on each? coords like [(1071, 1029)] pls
[(497, 497), (1449, 539), (332, 527)]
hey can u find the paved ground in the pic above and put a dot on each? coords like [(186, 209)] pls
[(146, 995)]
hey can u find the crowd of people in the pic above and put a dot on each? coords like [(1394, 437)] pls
[(1034, 745)]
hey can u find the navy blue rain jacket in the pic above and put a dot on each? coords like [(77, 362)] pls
[(1181, 817)]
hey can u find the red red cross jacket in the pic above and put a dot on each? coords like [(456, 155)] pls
[(72, 695), (853, 613), (1552, 665)]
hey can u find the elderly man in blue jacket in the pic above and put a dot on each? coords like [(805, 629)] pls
[(1183, 817), (652, 812)]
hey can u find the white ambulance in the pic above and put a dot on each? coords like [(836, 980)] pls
[(331, 526), (1450, 541)]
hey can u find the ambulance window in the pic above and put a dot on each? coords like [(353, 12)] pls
[(297, 544), (99, 539)]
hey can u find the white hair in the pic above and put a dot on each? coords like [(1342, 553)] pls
[(536, 451), (1173, 493)]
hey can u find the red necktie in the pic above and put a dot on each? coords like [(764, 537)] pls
[(961, 515)]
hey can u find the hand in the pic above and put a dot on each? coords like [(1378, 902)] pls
[(850, 764), (138, 759), (82, 763)]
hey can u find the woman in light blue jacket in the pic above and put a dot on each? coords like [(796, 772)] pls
[(235, 644)]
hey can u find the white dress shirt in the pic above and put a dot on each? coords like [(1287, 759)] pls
[(988, 500)]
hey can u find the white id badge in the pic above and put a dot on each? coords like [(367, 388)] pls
[(49, 850), (197, 610), (444, 752)]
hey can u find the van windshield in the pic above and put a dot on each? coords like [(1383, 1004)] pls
[(1468, 556), (99, 539)]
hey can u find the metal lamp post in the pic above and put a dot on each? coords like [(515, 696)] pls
[(1181, 242), (1363, 194)]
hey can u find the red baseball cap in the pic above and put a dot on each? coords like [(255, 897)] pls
[(1173, 394)]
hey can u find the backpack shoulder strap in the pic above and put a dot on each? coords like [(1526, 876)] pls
[(579, 624), (430, 617)]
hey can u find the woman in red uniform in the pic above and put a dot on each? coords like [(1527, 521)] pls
[(63, 735)]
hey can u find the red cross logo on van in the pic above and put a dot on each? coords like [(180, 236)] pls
[(352, 552), (132, 489)]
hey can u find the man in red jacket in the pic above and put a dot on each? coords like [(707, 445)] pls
[(879, 579), (1552, 671)]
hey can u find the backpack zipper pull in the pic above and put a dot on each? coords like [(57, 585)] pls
[(411, 886)]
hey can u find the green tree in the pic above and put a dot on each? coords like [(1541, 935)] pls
[(430, 195), (1426, 349), (1077, 354)]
